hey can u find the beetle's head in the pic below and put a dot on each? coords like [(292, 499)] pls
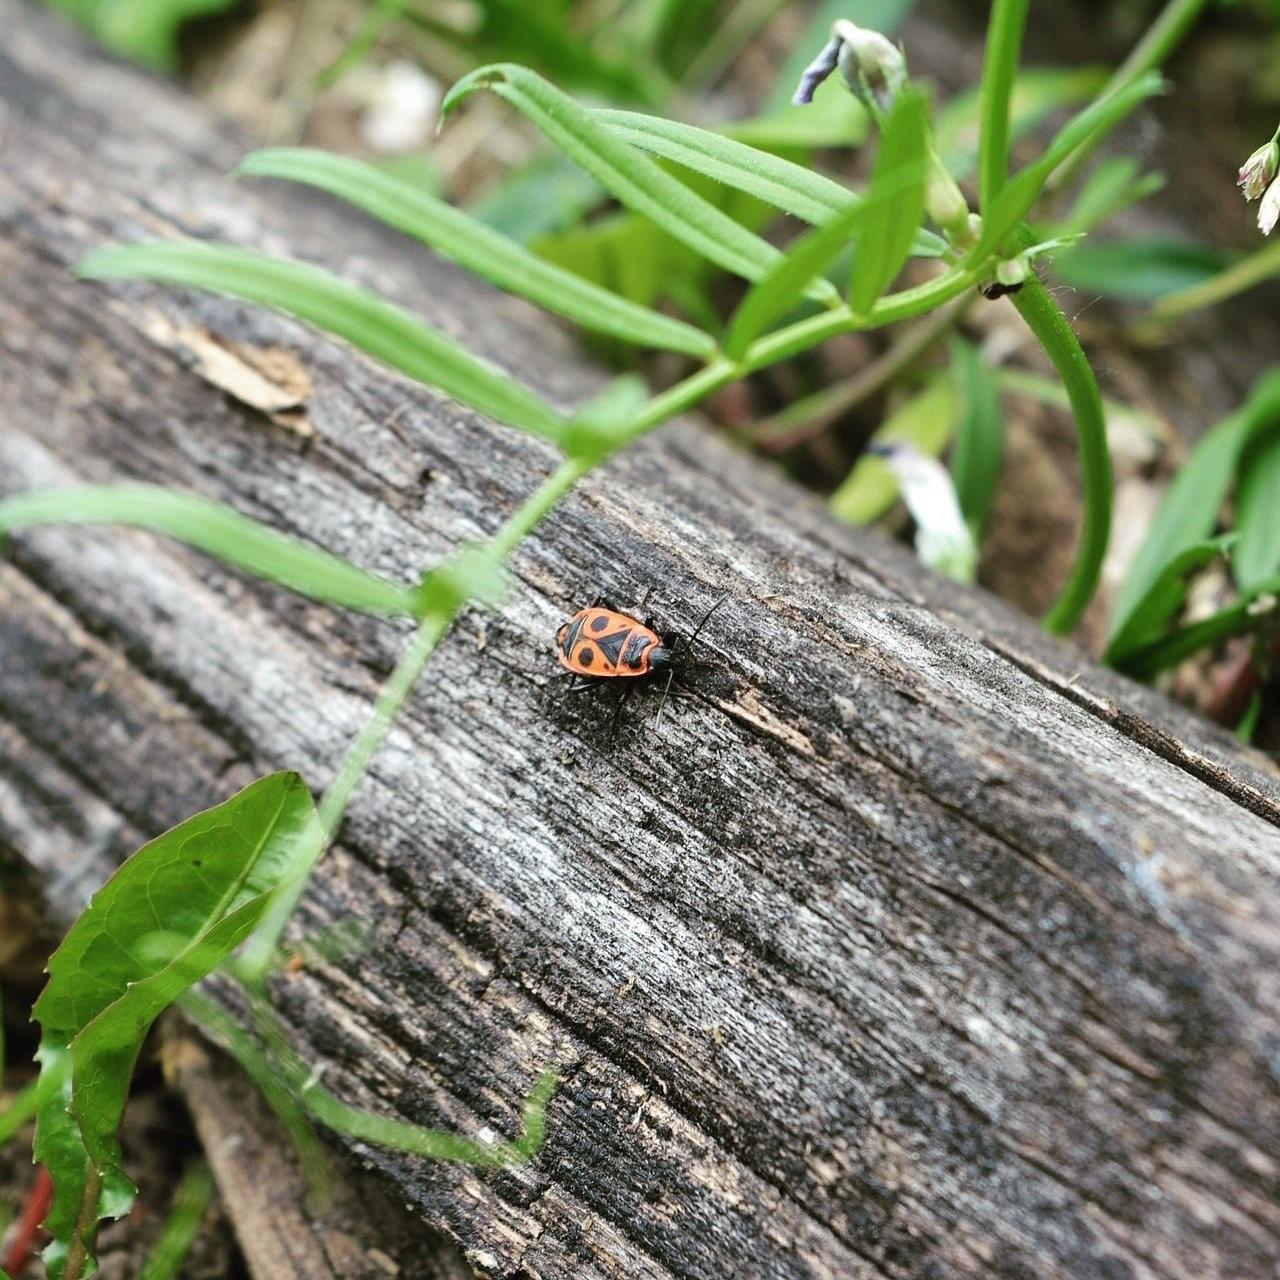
[(659, 658)]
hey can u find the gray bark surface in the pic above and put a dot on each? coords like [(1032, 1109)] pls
[(908, 945)]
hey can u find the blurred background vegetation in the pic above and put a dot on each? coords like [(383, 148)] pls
[(1166, 289)]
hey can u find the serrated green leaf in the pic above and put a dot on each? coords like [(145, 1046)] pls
[(1016, 197), (926, 422), (216, 530), (478, 248), (1189, 511), (1257, 554), (629, 175), (169, 916), (376, 327), (783, 285), (895, 201), (976, 457)]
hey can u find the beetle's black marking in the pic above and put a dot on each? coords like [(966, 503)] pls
[(586, 656), (599, 624), (573, 630), (611, 646), (633, 651)]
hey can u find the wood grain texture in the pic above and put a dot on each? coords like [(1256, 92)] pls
[(909, 945)]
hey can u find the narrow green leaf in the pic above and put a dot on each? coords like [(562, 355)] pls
[(478, 248), (630, 176), (1239, 618), (926, 422), (976, 457), (1190, 508), (782, 286), (1111, 186), (999, 70), (190, 1206), (1037, 94), (1163, 598), (895, 200), (548, 194), (1017, 196), (792, 188), (1142, 268), (386, 332), (1257, 554), (218, 531), (166, 919)]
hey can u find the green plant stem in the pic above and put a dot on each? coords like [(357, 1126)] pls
[(1046, 321), (256, 960), (806, 417), (190, 1204), (23, 1107), (999, 70), (1249, 271), (1151, 52)]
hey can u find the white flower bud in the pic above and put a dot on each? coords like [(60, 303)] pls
[(1258, 170), (1269, 209), (870, 62), (1013, 271), (944, 200)]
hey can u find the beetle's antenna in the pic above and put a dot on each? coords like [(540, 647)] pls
[(665, 694), (706, 617)]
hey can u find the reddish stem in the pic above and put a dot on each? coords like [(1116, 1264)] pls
[(34, 1212)]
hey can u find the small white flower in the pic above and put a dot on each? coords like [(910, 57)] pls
[(943, 539), (870, 63), (1258, 170), (1269, 209)]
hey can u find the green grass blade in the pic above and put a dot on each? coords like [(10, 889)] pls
[(1190, 508), (478, 248), (218, 531), (1163, 598), (1238, 618), (1017, 196), (976, 458), (386, 332), (1256, 556), (629, 175), (999, 71), (895, 200), (190, 1205), (783, 285)]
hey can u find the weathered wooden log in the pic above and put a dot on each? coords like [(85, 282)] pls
[(908, 945)]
